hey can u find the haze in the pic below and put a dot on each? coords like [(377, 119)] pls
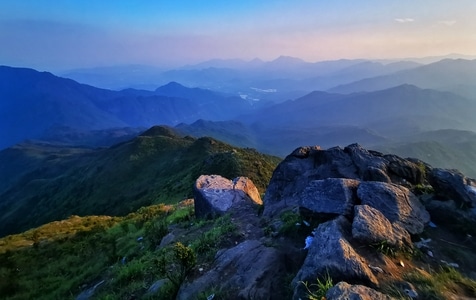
[(60, 35)]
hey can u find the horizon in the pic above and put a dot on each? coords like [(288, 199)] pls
[(53, 36)]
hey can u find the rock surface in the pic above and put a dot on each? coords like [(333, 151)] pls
[(253, 277), (331, 253), (345, 291), (214, 195), (453, 185), (307, 164), (330, 196), (396, 203), (363, 197), (371, 226)]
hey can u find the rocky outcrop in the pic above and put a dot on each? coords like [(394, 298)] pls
[(307, 164), (360, 198), (345, 291), (396, 203), (214, 195), (331, 253), (372, 227), (451, 184), (247, 270), (333, 196), (366, 199)]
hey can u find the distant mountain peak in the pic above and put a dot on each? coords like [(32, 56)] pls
[(172, 84), (288, 59), (160, 130)]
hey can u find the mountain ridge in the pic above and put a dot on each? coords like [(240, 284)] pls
[(157, 166)]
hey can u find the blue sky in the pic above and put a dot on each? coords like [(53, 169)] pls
[(57, 35)]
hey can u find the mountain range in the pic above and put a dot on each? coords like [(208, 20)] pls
[(456, 76), (33, 103), (424, 99), (69, 151)]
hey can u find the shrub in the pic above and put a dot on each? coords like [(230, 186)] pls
[(177, 264)]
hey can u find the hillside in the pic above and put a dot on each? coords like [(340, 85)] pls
[(45, 183), (392, 228)]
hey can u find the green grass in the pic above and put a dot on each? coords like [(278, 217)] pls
[(77, 253), (318, 290), (446, 279), (221, 231), (116, 181)]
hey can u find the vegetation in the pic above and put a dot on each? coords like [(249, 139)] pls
[(439, 283), (176, 264), (118, 254), (318, 290), (159, 167)]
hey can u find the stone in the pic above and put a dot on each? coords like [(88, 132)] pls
[(331, 253), (451, 184), (87, 294), (370, 165), (371, 226), (246, 185), (246, 271), (306, 164), (156, 286), (448, 214), (330, 196), (345, 291), (396, 203), (167, 240), (214, 195), (411, 171)]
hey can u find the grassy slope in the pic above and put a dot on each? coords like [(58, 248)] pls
[(157, 167)]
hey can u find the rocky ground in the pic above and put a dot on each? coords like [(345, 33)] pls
[(337, 223)]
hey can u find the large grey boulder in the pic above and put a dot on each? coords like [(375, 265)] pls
[(306, 164), (371, 226), (398, 204), (246, 271), (451, 184), (370, 165), (331, 253), (345, 291), (335, 196), (214, 195)]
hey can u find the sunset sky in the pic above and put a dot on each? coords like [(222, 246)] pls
[(57, 35)]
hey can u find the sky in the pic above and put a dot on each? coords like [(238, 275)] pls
[(65, 34)]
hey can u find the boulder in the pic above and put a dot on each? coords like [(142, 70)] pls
[(396, 203), (246, 271), (371, 226), (215, 195), (157, 286), (409, 170), (330, 252), (451, 184), (293, 174), (335, 196), (306, 164), (370, 165), (450, 215), (246, 185), (345, 291)]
